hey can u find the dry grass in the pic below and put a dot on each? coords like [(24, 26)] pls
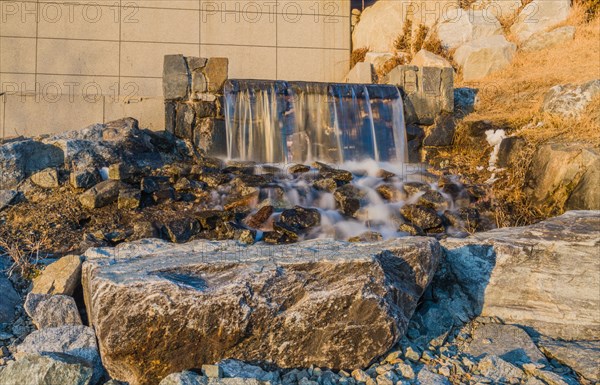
[(25, 255), (403, 42), (358, 56), (511, 99)]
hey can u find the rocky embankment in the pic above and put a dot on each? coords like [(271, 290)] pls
[(515, 305), (112, 183)]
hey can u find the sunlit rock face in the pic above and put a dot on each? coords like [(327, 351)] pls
[(159, 308)]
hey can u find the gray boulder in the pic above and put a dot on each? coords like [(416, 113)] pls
[(499, 371), (21, 159), (581, 356), (292, 305), (9, 198), (542, 40), (75, 340), (47, 369), (10, 299), (49, 311), (511, 343), (565, 176), (542, 276), (484, 56), (570, 100), (184, 378)]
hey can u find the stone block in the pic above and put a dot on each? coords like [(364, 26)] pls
[(216, 72), (185, 120), (170, 116), (362, 73), (175, 77)]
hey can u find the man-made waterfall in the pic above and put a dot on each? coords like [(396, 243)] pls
[(281, 122)]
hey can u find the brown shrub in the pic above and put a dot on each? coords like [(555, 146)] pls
[(358, 56), (419, 39), (404, 40)]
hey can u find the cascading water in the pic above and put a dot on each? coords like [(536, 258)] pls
[(282, 122)]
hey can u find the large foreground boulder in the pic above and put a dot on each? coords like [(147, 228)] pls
[(540, 15), (461, 26), (159, 308), (544, 276)]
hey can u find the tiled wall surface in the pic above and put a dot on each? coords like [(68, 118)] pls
[(64, 64)]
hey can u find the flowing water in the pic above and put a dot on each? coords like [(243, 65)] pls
[(284, 122)]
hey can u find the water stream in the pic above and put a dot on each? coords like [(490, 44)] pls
[(300, 122)]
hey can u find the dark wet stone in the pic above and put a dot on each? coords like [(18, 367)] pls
[(384, 174), (210, 219), (257, 219), (433, 199), (102, 194), (467, 219), (300, 218), (424, 217), (290, 233), (348, 199), (214, 179), (277, 238), (151, 184), (325, 184), (340, 176), (390, 192), (180, 230), (369, 236), (242, 204), (85, 179), (298, 169), (413, 188), (129, 199), (411, 229)]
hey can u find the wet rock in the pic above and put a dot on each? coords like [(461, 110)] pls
[(242, 204), (298, 169), (243, 234), (300, 218), (464, 219), (411, 229), (129, 199), (511, 343), (60, 277), (49, 311), (84, 179), (9, 198), (247, 310), (433, 199), (581, 356), (412, 188), (424, 217), (257, 219), (385, 175), (75, 340), (499, 371), (325, 184), (152, 184), (102, 194), (181, 230), (211, 219), (47, 369), (390, 192), (287, 233), (348, 199), (248, 184), (530, 276), (369, 236), (340, 176), (10, 299), (213, 180), (47, 178)]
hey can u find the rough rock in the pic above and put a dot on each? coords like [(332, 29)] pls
[(382, 23), (75, 340), (9, 198), (542, 40), (570, 100), (300, 218), (49, 311), (581, 356), (129, 199), (102, 194), (10, 299), (424, 217), (539, 15), (427, 377), (239, 369), (21, 159), (541, 276), (483, 56), (361, 73), (266, 303), (47, 369), (498, 370), (184, 378), (47, 178), (462, 26), (216, 72), (84, 179), (348, 199), (175, 77), (511, 343), (565, 175), (60, 277), (424, 58)]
